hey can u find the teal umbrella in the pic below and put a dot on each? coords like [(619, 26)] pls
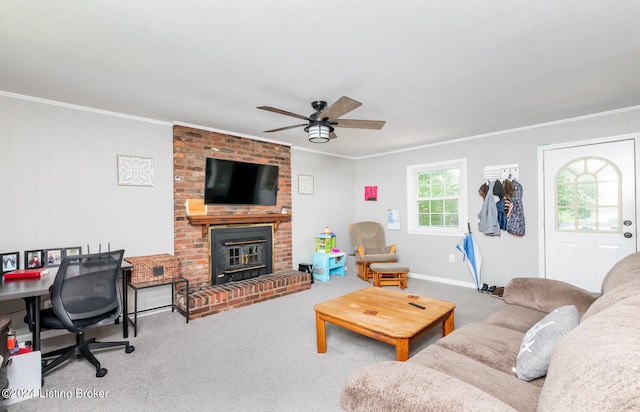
[(471, 255)]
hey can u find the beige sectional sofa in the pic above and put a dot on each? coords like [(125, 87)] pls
[(594, 366)]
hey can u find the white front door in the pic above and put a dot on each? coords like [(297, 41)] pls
[(589, 210)]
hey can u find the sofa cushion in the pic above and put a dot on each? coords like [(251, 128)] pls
[(612, 296), (546, 295), (521, 395), (625, 270), (410, 387), (516, 317), (596, 367), (491, 345), (541, 340)]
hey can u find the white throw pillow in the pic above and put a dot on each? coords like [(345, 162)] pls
[(540, 341)]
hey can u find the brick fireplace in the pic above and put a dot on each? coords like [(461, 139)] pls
[(191, 148)]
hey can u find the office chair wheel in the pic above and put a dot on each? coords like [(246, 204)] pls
[(101, 372), (129, 349)]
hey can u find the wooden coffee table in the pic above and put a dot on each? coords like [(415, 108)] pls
[(385, 315)]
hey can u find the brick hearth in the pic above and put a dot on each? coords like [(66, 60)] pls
[(207, 300)]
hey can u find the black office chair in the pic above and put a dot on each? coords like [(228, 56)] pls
[(84, 294)]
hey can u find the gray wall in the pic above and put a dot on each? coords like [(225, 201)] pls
[(59, 183), (59, 180), (506, 256), (332, 203)]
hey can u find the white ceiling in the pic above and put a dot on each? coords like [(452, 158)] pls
[(435, 70)]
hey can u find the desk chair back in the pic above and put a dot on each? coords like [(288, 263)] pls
[(85, 291)]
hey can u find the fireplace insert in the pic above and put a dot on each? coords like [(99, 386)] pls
[(241, 252)]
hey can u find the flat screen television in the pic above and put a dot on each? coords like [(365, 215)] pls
[(231, 182)]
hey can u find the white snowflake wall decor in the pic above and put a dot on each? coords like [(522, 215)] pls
[(135, 171), (305, 184)]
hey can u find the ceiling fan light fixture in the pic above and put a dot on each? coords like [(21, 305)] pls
[(318, 132), (320, 127)]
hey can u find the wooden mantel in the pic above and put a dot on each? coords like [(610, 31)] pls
[(209, 220)]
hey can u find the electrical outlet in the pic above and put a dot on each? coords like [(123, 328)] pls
[(452, 258)]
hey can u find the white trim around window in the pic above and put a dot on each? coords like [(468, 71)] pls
[(413, 223)]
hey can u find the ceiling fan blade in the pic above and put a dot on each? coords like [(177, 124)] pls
[(360, 124), (285, 128), (332, 135), (341, 107), (286, 113)]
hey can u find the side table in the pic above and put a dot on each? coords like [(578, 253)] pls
[(150, 284)]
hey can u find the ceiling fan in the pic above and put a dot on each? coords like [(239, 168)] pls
[(320, 125)]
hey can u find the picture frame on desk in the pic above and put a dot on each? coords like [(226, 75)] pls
[(73, 251), (34, 259), (10, 261), (54, 256)]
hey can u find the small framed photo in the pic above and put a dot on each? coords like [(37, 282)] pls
[(371, 193), (10, 261), (53, 256), (73, 251), (34, 259)]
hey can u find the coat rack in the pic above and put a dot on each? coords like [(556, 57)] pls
[(501, 172)]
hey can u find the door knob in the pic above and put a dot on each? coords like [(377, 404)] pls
[(627, 235)]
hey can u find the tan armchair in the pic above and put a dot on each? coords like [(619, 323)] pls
[(370, 246)]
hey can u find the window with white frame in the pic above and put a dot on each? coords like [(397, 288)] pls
[(437, 197)]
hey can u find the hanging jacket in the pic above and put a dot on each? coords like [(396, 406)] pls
[(508, 194), (498, 190), (502, 216), (489, 214), (515, 223), (483, 190)]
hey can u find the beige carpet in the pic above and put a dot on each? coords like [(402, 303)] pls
[(257, 358)]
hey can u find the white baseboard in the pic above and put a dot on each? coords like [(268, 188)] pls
[(443, 280)]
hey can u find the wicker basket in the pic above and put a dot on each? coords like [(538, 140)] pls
[(154, 267)]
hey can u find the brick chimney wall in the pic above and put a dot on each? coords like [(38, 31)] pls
[(191, 147)]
